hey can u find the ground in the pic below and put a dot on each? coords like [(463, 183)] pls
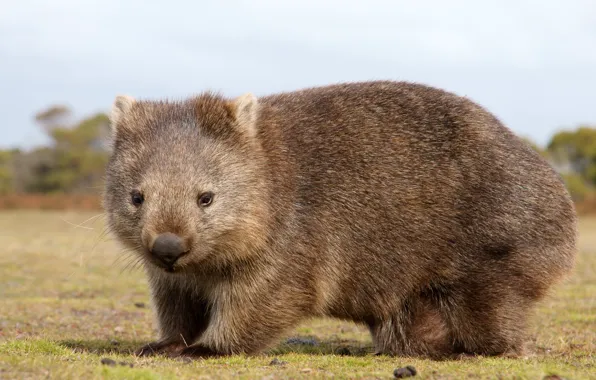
[(70, 297)]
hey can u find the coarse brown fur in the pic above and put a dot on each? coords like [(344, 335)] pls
[(400, 206)]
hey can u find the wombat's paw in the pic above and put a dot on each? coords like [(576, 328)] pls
[(160, 348), (198, 351)]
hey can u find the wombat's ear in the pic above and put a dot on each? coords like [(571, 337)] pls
[(122, 104), (245, 109)]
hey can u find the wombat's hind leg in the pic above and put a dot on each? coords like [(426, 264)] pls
[(419, 329), (488, 318)]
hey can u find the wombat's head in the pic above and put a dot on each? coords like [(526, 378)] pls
[(185, 185)]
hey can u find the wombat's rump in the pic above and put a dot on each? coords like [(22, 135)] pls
[(400, 206)]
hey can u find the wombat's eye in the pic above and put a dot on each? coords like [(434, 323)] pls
[(205, 199), (136, 198)]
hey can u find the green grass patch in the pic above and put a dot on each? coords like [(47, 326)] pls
[(66, 303)]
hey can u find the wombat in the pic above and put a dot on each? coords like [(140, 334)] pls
[(396, 205)]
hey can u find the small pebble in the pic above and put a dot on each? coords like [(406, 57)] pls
[(276, 361), (114, 342), (140, 305), (406, 371), (306, 370), (108, 361)]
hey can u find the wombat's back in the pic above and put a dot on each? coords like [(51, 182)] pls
[(416, 186)]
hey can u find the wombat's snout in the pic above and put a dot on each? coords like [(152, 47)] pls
[(168, 248)]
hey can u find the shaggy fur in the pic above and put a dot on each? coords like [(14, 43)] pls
[(396, 205)]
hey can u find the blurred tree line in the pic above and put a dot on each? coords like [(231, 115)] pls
[(573, 154), (74, 161)]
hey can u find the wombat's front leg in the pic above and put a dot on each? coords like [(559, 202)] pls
[(234, 336), (181, 315), (247, 326), (161, 347)]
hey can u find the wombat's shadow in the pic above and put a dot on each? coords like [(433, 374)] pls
[(296, 345)]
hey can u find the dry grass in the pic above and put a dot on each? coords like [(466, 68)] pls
[(88, 202), (66, 303)]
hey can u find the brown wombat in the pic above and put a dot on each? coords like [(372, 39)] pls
[(396, 205)]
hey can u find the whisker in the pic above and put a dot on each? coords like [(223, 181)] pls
[(93, 217), (75, 225), (133, 264)]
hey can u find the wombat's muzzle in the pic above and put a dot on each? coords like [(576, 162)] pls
[(168, 248)]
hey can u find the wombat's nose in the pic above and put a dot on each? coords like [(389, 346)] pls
[(167, 248)]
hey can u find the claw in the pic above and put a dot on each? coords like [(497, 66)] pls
[(198, 351), (158, 348)]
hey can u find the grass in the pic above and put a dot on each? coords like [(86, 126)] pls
[(66, 302)]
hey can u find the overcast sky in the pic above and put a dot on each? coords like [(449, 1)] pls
[(532, 63)]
